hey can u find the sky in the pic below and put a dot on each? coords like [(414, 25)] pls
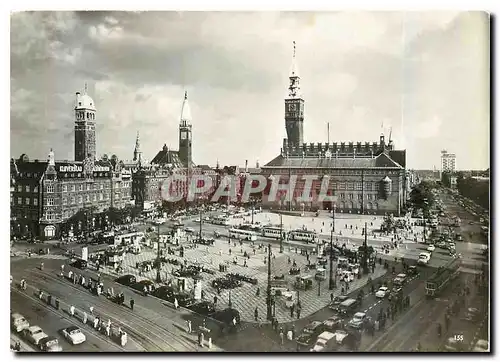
[(425, 75)]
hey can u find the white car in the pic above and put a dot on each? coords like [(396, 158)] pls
[(481, 346), (18, 322), (381, 292), (34, 334), (431, 248), (74, 335)]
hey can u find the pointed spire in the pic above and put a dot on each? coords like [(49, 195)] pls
[(294, 88), (186, 110), (137, 149), (294, 71)]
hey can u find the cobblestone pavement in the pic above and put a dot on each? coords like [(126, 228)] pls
[(245, 298)]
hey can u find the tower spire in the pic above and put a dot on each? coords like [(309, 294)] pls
[(186, 110), (137, 149), (294, 88)]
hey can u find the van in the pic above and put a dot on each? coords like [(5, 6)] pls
[(348, 306)]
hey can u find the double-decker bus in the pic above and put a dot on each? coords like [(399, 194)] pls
[(440, 279), (273, 232), (303, 235), (243, 234)]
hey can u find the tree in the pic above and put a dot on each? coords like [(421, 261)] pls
[(446, 179)]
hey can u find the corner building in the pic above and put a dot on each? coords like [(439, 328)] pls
[(365, 178)]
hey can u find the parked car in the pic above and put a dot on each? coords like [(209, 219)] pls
[(143, 283), (431, 248), (481, 346), (80, 264), (309, 334), (127, 280), (205, 308), (189, 229), (337, 300), (50, 344), (381, 292), (34, 334), (165, 292), (358, 321), (184, 299), (18, 323), (400, 279), (228, 316), (74, 335), (333, 323)]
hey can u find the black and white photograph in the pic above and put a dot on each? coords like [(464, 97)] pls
[(250, 181)]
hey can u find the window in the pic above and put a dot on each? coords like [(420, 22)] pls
[(102, 186), (19, 188), (342, 196), (50, 201), (360, 197), (27, 188), (351, 196), (19, 200), (81, 187), (87, 198), (50, 189), (29, 174), (88, 187), (64, 201), (27, 201), (64, 188), (72, 200), (95, 186), (350, 186), (35, 189), (342, 185), (11, 199), (368, 186), (95, 197), (80, 199), (35, 201), (358, 186), (100, 196), (375, 186), (50, 215)]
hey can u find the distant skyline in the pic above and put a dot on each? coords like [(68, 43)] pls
[(423, 74)]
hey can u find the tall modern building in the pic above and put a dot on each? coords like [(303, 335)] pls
[(366, 178), (448, 161)]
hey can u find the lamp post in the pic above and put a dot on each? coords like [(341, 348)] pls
[(331, 283), (365, 252), (281, 233), (158, 258), (268, 297)]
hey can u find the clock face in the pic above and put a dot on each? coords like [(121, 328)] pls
[(183, 135), (291, 107)]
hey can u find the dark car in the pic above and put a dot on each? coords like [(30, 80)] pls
[(143, 283), (79, 263), (337, 300), (50, 344), (310, 333), (396, 292), (127, 279), (164, 292), (413, 271), (227, 316), (334, 323), (184, 299), (205, 308)]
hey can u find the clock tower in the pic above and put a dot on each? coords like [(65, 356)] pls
[(185, 134), (294, 107), (85, 113)]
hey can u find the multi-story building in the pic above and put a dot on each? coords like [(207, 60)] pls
[(448, 161), (364, 177), (46, 194)]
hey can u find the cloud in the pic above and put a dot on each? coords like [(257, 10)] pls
[(424, 74)]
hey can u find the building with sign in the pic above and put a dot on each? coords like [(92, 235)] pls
[(364, 178), (45, 194)]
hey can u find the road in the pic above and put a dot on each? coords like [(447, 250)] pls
[(152, 326)]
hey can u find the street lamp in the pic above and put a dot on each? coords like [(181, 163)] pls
[(331, 283), (268, 297), (158, 257), (281, 233)]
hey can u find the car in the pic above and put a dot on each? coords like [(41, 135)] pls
[(310, 332), (358, 321), (333, 323), (337, 300), (441, 245), (197, 220), (413, 271), (396, 292), (454, 344), (127, 279), (34, 334), (18, 323), (431, 248), (227, 316), (143, 283), (165, 292), (400, 279), (381, 292), (205, 308), (189, 229), (481, 346), (50, 344), (184, 299), (80, 264), (74, 335)]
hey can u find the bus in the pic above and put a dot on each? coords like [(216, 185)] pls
[(242, 234), (273, 232), (304, 235), (440, 279), (220, 220)]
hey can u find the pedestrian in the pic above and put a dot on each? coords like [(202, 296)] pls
[(176, 303), (91, 310), (84, 318), (256, 314), (331, 297), (96, 322), (72, 311), (298, 313), (189, 326), (282, 336), (40, 294), (215, 300), (292, 308), (108, 330), (258, 292), (62, 268)]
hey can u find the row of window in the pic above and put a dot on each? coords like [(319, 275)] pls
[(27, 201), (82, 187), (27, 188), (342, 196)]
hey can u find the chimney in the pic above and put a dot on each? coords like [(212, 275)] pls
[(257, 165), (246, 165)]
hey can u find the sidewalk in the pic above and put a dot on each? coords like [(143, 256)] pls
[(25, 347)]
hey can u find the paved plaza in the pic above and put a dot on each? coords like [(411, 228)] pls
[(245, 298)]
